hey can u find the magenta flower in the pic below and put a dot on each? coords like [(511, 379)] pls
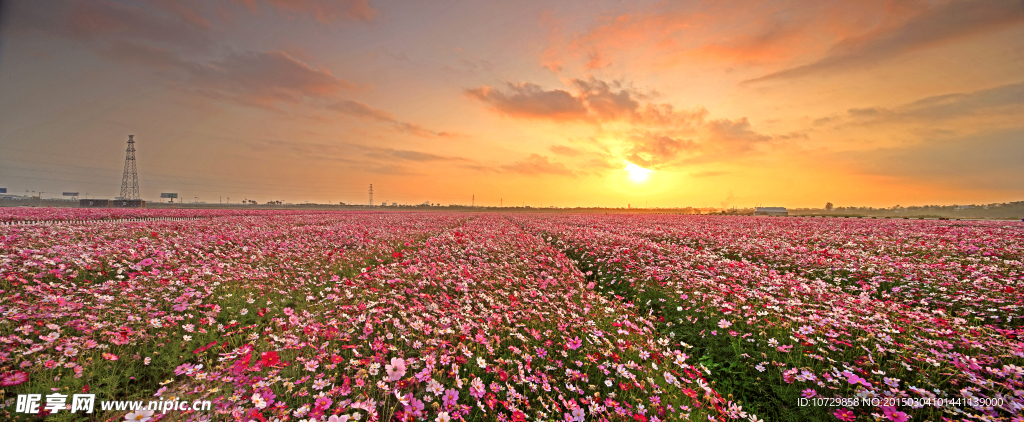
[(844, 414), (13, 378), (451, 397), (574, 343), (322, 403), (894, 415), (856, 379)]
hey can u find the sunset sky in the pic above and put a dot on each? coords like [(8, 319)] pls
[(726, 103)]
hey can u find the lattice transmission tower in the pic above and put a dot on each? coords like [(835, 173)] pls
[(130, 179), (371, 194)]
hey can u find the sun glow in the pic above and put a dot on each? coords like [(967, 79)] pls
[(636, 173)]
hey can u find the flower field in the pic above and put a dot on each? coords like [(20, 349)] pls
[(352, 316)]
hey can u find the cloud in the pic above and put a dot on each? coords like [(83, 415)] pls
[(867, 112), (1003, 100), (263, 79), (164, 34), (980, 161), (100, 21), (657, 134), (418, 130), (607, 101), (950, 22), (422, 156), (537, 164), (323, 11), (363, 157), (735, 134), (358, 109), (141, 54), (531, 101), (594, 101), (596, 61), (1010, 96), (770, 40), (187, 10), (361, 110), (740, 32), (650, 150), (408, 155)]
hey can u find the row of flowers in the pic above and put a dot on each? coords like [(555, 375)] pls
[(792, 336), (47, 214), (332, 317), (113, 309)]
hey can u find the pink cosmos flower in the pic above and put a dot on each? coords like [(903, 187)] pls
[(894, 415), (856, 379), (477, 389), (414, 408), (396, 370), (844, 414), (13, 378), (808, 393), (451, 397), (574, 343), (323, 402)]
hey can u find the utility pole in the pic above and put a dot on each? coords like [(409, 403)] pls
[(474, 201)]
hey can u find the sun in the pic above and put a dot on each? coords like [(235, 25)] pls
[(636, 173)]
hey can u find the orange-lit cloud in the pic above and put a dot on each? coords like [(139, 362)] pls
[(537, 164), (655, 135), (829, 97), (947, 23), (531, 101), (592, 100), (769, 32), (651, 150)]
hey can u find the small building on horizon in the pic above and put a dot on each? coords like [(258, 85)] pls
[(773, 211), (107, 203), (93, 203)]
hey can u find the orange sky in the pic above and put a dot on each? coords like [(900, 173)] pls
[(728, 103)]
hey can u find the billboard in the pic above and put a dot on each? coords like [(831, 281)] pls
[(70, 193), (168, 195)]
